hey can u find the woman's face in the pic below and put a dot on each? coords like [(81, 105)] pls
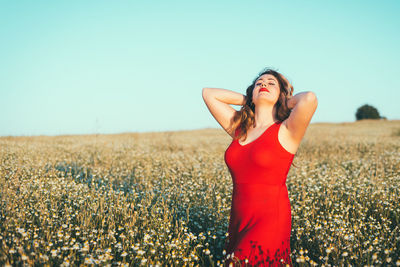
[(266, 89)]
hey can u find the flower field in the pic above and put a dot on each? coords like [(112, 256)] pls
[(163, 198)]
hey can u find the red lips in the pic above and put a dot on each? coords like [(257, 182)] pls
[(263, 89)]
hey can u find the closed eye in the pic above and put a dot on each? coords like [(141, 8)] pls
[(268, 83)]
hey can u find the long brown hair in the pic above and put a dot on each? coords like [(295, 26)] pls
[(245, 117)]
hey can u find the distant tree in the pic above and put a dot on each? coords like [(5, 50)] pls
[(367, 112)]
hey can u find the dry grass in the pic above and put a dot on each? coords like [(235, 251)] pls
[(164, 198)]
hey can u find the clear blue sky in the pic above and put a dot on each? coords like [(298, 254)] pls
[(81, 67)]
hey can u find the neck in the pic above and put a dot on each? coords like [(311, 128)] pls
[(264, 115)]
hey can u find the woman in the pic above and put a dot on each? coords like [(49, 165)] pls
[(266, 133)]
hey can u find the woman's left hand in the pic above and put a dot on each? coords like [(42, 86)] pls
[(289, 102)]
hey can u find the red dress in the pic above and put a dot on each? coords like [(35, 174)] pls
[(260, 217)]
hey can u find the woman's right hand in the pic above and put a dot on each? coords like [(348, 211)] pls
[(244, 100)]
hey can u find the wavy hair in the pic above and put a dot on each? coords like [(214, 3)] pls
[(245, 117)]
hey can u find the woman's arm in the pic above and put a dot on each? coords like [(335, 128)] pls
[(225, 96), (218, 102), (303, 106), (292, 101)]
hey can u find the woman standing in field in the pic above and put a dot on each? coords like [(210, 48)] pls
[(266, 133)]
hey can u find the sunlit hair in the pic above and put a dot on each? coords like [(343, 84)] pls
[(245, 117)]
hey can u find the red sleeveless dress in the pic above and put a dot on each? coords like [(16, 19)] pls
[(260, 217)]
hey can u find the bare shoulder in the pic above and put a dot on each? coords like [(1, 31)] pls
[(286, 139)]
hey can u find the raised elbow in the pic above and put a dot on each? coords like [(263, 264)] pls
[(311, 98), (204, 92)]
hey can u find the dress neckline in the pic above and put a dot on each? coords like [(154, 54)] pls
[(266, 130)]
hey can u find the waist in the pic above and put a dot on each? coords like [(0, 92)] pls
[(260, 185), (258, 191)]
